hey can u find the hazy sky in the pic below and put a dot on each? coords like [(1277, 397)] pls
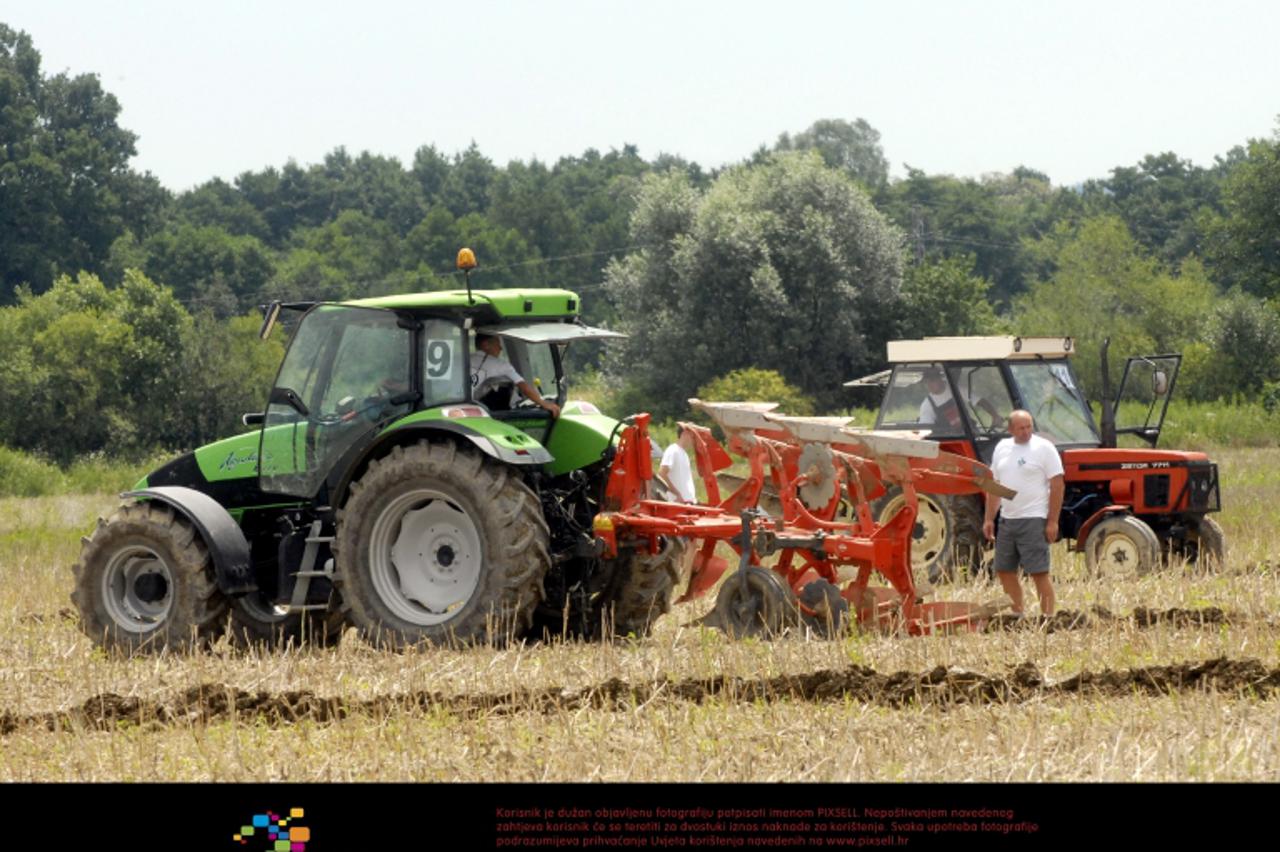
[(1069, 88)]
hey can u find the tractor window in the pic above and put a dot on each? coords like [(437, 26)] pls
[(370, 359), (444, 367), (986, 397), (344, 367), (920, 397), (536, 363), (1050, 393)]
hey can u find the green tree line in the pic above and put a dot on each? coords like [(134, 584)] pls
[(126, 309)]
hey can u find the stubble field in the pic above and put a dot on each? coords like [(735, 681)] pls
[(1170, 677)]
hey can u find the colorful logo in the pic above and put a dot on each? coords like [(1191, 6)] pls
[(275, 833)]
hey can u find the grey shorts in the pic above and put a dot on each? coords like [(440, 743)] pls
[(1021, 541)]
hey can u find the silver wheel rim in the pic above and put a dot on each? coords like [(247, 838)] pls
[(425, 557), (929, 535), (137, 589)]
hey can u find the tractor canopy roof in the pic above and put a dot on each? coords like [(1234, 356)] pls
[(979, 349), (492, 306)]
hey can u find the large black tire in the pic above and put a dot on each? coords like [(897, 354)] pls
[(145, 582), (1204, 546), (642, 588), (1121, 547), (947, 540), (440, 544), (257, 622)]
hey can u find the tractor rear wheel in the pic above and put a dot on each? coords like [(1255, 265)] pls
[(947, 538), (438, 543), (145, 581), (1121, 546)]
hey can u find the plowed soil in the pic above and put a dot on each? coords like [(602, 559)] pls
[(1098, 615), (943, 686)]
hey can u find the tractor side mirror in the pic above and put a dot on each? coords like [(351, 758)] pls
[(1159, 383)]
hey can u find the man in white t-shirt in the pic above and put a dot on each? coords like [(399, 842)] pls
[(489, 368), (675, 471), (1031, 466)]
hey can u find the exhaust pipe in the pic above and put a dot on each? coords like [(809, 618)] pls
[(1108, 404)]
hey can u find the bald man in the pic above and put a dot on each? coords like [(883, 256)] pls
[(1031, 466)]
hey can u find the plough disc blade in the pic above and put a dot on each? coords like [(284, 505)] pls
[(755, 603)]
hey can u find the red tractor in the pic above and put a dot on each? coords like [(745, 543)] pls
[(1127, 509)]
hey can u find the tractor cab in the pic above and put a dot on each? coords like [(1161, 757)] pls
[(1126, 507), (354, 370), (962, 390)]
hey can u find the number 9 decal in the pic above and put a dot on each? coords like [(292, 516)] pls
[(439, 358)]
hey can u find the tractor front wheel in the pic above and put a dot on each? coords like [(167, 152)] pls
[(438, 543), (145, 581), (1121, 546)]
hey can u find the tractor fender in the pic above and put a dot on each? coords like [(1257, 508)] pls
[(1092, 521), (354, 462), (218, 530)]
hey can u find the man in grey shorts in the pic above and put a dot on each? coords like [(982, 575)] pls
[(1031, 466)]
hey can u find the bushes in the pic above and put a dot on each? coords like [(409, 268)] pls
[(26, 475), (757, 386), (23, 475)]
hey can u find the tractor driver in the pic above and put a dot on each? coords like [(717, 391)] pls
[(939, 406), (491, 369)]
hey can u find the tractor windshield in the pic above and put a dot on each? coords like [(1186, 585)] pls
[(1049, 391)]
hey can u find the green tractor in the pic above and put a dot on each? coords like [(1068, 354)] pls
[(380, 490)]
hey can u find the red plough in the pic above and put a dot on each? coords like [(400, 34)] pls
[(824, 566)]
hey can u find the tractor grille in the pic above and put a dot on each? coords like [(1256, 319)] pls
[(1202, 489), (1155, 490)]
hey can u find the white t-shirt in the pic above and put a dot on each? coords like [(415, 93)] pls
[(933, 402), (485, 366), (940, 403), (1027, 469), (679, 472)]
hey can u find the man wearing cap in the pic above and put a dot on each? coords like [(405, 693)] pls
[(1030, 465)]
